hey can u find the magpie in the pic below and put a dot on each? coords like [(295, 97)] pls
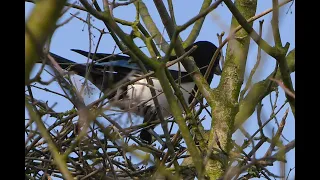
[(109, 69)]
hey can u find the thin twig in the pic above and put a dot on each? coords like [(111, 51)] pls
[(287, 91)]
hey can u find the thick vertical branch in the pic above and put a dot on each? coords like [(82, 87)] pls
[(170, 4), (227, 93), (276, 52), (275, 23)]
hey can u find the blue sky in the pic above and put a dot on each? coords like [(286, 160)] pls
[(74, 35)]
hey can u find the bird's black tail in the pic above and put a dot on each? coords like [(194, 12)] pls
[(63, 62), (102, 57)]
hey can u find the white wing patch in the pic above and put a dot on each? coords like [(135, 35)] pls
[(176, 67), (139, 94)]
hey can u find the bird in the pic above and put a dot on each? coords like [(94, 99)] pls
[(111, 69)]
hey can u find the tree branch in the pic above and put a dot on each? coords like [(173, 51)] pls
[(197, 18), (275, 52), (58, 159), (254, 35), (197, 26), (107, 18), (39, 29), (150, 25), (258, 92), (227, 93), (275, 24), (177, 113)]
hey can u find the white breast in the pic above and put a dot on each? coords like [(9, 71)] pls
[(139, 93)]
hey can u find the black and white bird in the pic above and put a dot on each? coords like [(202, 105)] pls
[(136, 97)]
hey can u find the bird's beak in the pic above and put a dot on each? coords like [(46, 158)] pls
[(217, 70)]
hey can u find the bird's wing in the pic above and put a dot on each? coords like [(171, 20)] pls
[(106, 59), (120, 63)]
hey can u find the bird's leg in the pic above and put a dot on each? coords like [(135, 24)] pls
[(150, 114)]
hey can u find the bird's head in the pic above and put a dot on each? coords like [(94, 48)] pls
[(202, 56)]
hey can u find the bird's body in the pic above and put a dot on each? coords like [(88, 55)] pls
[(137, 97)]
